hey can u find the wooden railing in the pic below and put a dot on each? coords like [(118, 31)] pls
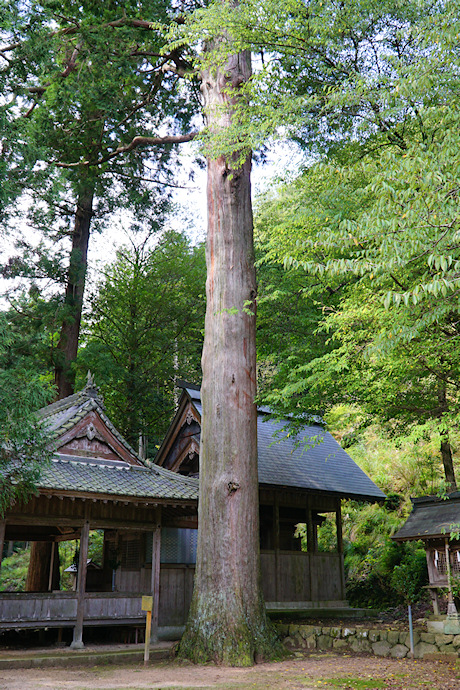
[(29, 609), (310, 578)]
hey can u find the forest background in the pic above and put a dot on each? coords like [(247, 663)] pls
[(357, 254)]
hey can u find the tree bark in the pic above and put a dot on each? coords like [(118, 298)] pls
[(446, 450), (38, 572), (227, 621), (70, 330), (447, 461)]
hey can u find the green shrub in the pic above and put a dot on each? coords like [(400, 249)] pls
[(13, 572), (409, 578)]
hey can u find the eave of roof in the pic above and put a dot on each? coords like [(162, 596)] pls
[(431, 518), (75, 475), (311, 461)]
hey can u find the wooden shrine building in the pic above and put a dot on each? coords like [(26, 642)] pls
[(432, 521), (301, 480), (148, 516), (96, 481)]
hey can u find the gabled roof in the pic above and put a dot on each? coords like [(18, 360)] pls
[(431, 518), (63, 416), (79, 428), (312, 460)]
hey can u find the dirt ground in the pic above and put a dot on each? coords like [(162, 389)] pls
[(313, 672)]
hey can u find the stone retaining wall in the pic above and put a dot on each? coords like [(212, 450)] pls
[(392, 643)]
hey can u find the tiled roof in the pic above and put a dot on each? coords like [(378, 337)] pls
[(311, 460), (94, 475), (69, 473), (431, 517), (64, 414)]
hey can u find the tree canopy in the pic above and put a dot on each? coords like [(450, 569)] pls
[(88, 122), (368, 233), (144, 330), (23, 440)]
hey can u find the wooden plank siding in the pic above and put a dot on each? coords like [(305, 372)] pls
[(29, 610), (289, 583), (302, 577)]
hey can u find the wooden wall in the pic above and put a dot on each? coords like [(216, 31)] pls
[(176, 586), (306, 577)]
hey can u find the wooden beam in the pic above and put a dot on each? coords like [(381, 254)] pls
[(51, 521), (53, 556), (2, 538), (77, 642), (68, 536), (338, 522), (156, 557), (310, 528)]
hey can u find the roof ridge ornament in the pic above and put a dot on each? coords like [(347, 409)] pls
[(91, 390)]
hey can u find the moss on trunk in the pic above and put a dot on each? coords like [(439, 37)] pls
[(223, 640)]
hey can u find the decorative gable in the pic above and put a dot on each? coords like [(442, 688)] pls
[(91, 437), (80, 428), (181, 449)]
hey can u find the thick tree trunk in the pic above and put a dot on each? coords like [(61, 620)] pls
[(446, 450), (70, 330), (38, 573), (448, 463), (227, 621)]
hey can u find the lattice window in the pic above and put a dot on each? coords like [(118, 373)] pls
[(439, 558), (178, 545), (455, 561), (131, 554)]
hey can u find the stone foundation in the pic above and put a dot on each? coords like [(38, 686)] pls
[(386, 643)]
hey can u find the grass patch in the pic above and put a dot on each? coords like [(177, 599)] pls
[(354, 683)]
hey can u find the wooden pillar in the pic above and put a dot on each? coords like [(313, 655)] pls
[(308, 527), (77, 642), (2, 538), (310, 530), (451, 608), (435, 601), (156, 557), (276, 544), (53, 556), (338, 524)]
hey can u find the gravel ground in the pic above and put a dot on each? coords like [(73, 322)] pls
[(310, 672)]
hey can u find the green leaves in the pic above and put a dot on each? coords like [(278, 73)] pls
[(144, 331), (23, 439)]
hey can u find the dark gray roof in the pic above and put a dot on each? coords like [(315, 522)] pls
[(76, 474), (64, 414), (88, 475), (431, 517), (311, 460)]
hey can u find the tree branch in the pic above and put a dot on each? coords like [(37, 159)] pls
[(134, 144)]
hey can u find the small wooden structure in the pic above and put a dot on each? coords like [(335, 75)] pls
[(301, 480), (432, 521)]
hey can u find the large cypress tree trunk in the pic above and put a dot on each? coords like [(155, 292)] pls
[(38, 573), (70, 330), (227, 621), (446, 450), (67, 346)]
